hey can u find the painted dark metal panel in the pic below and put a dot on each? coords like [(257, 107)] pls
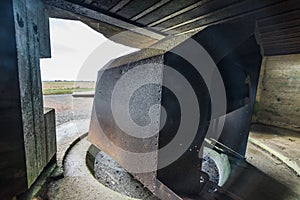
[(227, 44)]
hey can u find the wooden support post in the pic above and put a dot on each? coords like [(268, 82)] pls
[(24, 39)]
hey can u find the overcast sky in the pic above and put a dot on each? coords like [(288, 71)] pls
[(71, 44)]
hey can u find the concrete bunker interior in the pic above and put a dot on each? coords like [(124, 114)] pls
[(231, 41)]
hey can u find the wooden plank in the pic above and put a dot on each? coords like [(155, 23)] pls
[(203, 9), (50, 129), (279, 26), (33, 7), (170, 10), (100, 4), (281, 51), (119, 5), (216, 10), (280, 40), (280, 32), (89, 13), (286, 48), (254, 14), (44, 32), (275, 44), (280, 37), (26, 90), (135, 7), (30, 87), (279, 18), (150, 9)]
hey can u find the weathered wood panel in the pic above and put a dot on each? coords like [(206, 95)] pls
[(33, 8), (25, 83), (12, 157), (279, 95), (50, 129), (44, 32), (162, 14), (27, 33), (135, 7)]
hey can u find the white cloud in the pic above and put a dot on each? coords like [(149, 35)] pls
[(71, 43)]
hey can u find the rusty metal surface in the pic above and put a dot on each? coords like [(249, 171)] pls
[(163, 192)]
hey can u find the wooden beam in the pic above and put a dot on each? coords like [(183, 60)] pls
[(204, 16), (274, 9), (280, 17), (134, 8), (86, 12), (119, 5), (281, 40), (27, 43), (293, 44), (279, 26), (283, 51), (280, 37), (165, 10), (149, 10), (191, 7), (44, 31), (281, 32), (13, 163), (103, 4)]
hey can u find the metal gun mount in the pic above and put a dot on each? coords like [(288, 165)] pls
[(153, 111)]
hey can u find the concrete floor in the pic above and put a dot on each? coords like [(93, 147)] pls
[(72, 115), (275, 169), (68, 108), (282, 143), (276, 152), (79, 183)]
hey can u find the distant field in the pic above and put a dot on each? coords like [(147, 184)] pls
[(66, 87)]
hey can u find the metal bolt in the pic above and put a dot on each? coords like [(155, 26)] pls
[(202, 179), (212, 189)]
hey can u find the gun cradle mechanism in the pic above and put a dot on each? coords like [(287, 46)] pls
[(176, 106)]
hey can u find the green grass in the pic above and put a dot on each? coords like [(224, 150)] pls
[(65, 91), (66, 87)]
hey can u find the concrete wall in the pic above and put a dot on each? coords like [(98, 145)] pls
[(278, 98)]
